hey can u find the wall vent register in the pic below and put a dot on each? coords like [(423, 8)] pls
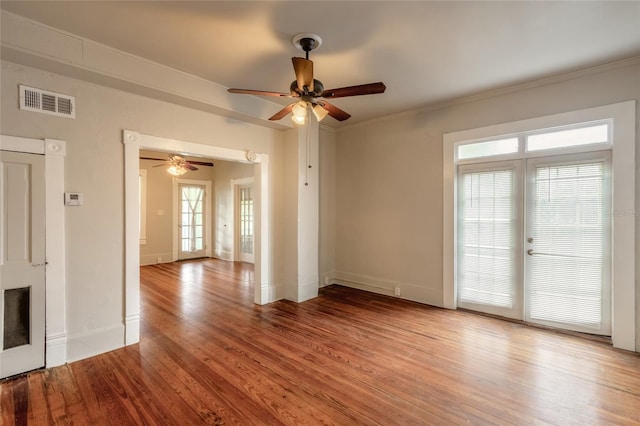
[(38, 100)]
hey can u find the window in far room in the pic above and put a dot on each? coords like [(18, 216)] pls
[(142, 205)]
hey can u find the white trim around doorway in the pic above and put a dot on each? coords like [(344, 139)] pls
[(133, 142), (55, 273)]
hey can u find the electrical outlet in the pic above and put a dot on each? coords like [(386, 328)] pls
[(396, 291), (159, 260)]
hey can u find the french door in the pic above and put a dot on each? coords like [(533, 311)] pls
[(534, 240), (191, 221), (245, 221)]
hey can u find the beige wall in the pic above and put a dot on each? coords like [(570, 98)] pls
[(223, 209), (389, 197), (94, 167), (160, 226), (327, 264)]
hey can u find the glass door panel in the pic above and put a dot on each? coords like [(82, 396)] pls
[(568, 234)]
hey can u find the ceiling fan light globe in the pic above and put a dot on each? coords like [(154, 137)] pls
[(298, 120), (299, 109), (176, 170), (319, 112)]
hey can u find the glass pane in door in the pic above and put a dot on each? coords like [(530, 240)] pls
[(486, 240), (192, 224), (246, 220), (17, 317), (567, 247)]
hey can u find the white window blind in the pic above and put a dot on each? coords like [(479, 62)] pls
[(570, 232), (486, 238)]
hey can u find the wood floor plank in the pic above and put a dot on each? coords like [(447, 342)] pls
[(208, 355)]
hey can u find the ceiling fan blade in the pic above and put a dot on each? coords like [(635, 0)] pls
[(304, 73), (163, 164), (259, 93), (201, 163), (150, 158), (189, 166), (334, 111), (362, 89), (283, 112)]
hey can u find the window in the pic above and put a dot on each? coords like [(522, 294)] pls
[(598, 134), (488, 148), (142, 206)]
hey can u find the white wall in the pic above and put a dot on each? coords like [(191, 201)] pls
[(94, 166), (389, 200)]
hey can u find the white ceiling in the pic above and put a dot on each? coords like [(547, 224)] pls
[(425, 52)]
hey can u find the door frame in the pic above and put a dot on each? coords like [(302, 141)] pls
[(624, 305), (133, 142), (54, 151), (235, 188), (207, 212)]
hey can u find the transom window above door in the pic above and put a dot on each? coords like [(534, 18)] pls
[(581, 137)]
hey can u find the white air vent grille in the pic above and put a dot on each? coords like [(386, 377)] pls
[(39, 100)]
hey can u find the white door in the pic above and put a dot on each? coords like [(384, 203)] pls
[(544, 258), (489, 238), (244, 222), (22, 263), (192, 221), (568, 257)]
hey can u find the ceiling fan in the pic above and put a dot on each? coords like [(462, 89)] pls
[(310, 91), (178, 165)]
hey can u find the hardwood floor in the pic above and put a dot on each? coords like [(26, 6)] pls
[(208, 355)]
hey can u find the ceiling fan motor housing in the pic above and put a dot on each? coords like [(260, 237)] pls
[(318, 88)]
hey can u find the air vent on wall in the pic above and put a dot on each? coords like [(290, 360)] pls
[(39, 100)]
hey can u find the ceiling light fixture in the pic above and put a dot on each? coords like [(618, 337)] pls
[(299, 113), (319, 112), (308, 89), (176, 170)]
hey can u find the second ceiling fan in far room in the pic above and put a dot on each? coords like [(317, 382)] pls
[(178, 165), (310, 91)]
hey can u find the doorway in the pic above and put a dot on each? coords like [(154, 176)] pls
[(622, 144), (543, 256), (244, 219), (22, 270), (193, 230), (133, 142)]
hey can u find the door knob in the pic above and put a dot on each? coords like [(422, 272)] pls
[(530, 252), (529, 240)]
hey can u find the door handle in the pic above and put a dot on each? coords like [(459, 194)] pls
[(35, 265), (530, 252)]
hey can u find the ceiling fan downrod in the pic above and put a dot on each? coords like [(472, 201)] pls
[(308, 44)]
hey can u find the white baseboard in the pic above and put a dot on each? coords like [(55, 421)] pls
[(152, 259), (224, 255), (307, 291), (326, 278), (56, 350), (95, 342), (408, 291), (132, 329)]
